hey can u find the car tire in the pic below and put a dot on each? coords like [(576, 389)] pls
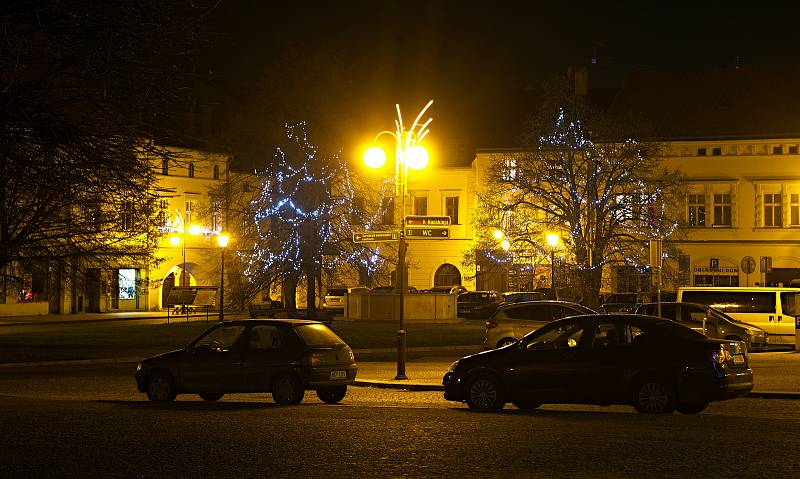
[(654, 395), (692, 408), (287, 389), (526, 404), (211, 397), (332, 394), (505, 342), (160, 387), (484, 393)]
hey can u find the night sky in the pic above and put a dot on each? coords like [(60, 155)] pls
[(479, 61)]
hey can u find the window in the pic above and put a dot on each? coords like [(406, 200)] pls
[(701, 152), (165, 167), (794, 209), (777, 150), (216, 172), (733, 301), (722, 210), (793, 150), (127, 218), (451, 208), (191, 170), (245, 187), (265, 337), (447, 275), (387, 211), (716, 151), (127, 284), (697, 210), (188, 216), (216, 225), (225, 337), (421, 205), (772, 210), (564, 336)]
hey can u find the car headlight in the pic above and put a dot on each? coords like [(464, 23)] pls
[(138, 367), (452, 367)]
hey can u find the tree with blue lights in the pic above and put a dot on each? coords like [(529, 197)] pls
[(304, 214), (605, 195)]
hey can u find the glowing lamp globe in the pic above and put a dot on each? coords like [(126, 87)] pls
[(552, 240), (498, 234), (223, 240), (175, 240), (505, 244), (417, 158), (375, 157)]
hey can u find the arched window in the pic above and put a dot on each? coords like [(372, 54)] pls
[(447, 275)]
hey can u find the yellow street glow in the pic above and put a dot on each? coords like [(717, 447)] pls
[(175, 240), (195, 230), (498, 234), (223, 240), (552, 239), (417, 157), (375, 157), (505, 244)]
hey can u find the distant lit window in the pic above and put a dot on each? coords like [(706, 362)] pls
[(127, 284), (451, 208), (165, 167), (793, 150), (421, 205), (772, 210), (716, 151), (722, 210), (697, 210), (191, 170), (701, 152), (777, 150)]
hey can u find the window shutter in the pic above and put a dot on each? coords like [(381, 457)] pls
[(759, 206), (734, 192)]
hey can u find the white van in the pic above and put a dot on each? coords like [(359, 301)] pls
[(771, 309)]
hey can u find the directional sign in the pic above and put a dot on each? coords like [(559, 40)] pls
[(427, 221), (427, 233), (375, 236)]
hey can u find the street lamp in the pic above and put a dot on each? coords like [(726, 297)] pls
[(552, 240), (223, 243), (408, 154)]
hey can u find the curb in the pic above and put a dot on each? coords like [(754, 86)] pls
[(368, 383)]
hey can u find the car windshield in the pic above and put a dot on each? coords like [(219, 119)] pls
[(474, 297), (224, 336), (722, 317), (318, 335), (671, 328), (337, 292)]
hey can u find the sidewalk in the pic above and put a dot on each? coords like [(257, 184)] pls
[(45, 319)]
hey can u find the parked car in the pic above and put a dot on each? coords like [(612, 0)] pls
[(622, 302), (477, 304), (520, 296), (458, 289), (653, 364), (335, 298), (512, 321), (284, 357), (709, 321), (561, 294)]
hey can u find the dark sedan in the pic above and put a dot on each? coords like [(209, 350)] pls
[(477, 304), (284, 357), (653, 364)]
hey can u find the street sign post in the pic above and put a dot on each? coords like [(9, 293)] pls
[(375, 236), (427, 221), (429, 233)]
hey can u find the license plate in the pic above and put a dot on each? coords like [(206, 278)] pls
[(738, 359), (338, 375)]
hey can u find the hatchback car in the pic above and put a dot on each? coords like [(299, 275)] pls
[(520, 296), (512, 321), (335, 298), (448, 289), (284, 357), (653, 364), (709, 321), (477, 304)]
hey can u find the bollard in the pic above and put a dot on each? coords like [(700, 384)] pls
[(401, 355)]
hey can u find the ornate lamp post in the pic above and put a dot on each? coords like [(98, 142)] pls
[(222, 239), (408, 154), (552, 240)]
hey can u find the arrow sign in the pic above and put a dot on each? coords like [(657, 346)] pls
[(427, 233), (427, 221), (375, 236)]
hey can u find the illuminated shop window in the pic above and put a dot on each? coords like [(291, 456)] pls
[(127, 284)]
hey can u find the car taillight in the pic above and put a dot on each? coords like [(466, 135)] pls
[(721, 355), (490, 324)]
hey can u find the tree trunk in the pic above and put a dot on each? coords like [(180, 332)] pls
[(311, 290), (290, 294)]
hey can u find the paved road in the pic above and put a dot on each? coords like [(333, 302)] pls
[(91, 422)]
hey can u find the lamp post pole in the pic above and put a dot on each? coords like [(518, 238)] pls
[(408, 153), (552, 240), (223, 242)]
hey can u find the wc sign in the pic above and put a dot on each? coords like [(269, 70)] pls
[(714, 264)]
